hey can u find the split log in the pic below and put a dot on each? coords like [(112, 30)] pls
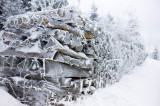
[(54, 69)]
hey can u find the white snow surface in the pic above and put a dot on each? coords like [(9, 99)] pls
[(141, 87), (7, 100)]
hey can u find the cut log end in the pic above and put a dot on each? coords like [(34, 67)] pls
[(45, 20), (89, 36), (64, 28)]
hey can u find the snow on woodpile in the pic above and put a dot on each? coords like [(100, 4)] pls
[(57, 55)]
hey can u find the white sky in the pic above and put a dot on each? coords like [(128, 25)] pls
[(147, 11)]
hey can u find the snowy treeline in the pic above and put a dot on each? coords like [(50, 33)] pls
[(122, 43), (52, 52)]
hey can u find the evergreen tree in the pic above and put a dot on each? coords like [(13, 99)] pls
[(132, 29), (41, 5), (94, 15), (155, 54)]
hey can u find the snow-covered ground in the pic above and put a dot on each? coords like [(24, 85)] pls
[(7, 100), (139, 88)]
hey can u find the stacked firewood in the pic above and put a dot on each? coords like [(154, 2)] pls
[(55, 53), (52, 56)]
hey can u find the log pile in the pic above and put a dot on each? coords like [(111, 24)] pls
[(56, 53), (51, 56)]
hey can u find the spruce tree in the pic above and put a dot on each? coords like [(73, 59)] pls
[(41, 5), (94, 15), (155, 54)]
